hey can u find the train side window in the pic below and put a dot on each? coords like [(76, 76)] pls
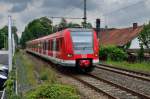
[(61, 40), (51, 45), (45, 45), (48, 44), (57, 45)]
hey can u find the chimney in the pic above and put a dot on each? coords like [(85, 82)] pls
[(135, 25)]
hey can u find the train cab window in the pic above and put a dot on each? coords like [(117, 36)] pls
[(82, 42)]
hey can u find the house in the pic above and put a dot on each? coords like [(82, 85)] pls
[(121, 37)]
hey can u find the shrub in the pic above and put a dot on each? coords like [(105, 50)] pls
[(53, 91), (112, 52), (44, 76), (141, 53)]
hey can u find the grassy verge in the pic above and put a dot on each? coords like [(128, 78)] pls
[(30, 72), (25, 70), (139, 66)]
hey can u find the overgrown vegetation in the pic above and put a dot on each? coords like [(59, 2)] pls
[(112, 52), (53, 91), (47, 75), (10, 84), (10, 92)]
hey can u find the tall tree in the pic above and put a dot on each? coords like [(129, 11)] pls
[(4, 36), (63, 24), (144, 36), (35, 29)]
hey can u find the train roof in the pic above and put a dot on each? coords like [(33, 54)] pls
[(62, 33)]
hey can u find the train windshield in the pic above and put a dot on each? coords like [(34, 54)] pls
[(82, 42)]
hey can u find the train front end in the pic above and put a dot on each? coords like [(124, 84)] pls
[(84, 50)]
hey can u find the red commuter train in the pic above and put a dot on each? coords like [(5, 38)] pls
[(72, 47)]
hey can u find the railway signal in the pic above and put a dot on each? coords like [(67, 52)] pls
[(98, 21)]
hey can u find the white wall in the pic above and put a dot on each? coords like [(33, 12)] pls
[(135, 44)]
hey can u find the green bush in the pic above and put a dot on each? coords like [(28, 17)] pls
[(141, 53), (53, 91), (44, 76), (112, 52)]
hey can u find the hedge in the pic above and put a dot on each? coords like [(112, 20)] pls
[(112, 52)]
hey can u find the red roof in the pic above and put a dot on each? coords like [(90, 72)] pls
[(119, 37)]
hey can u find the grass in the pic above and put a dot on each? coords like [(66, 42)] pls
[(47, 74), (138, 66), (29, 66)]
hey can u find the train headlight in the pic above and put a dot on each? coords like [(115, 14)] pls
[(96, 55), (69, 55)]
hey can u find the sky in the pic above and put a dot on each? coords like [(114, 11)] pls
[(114, 13)]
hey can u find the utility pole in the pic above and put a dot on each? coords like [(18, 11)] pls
[(85, 17), (9, 43)]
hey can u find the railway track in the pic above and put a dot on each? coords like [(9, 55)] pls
[(137, 75), (109, 88)]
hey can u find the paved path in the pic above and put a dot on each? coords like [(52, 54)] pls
[(4, 57)]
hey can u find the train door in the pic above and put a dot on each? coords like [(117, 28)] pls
[(54, 47)]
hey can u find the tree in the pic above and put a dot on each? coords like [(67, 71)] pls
[(63, 24), (35, 29), (144, 36), (87, 25), (4, 36), (73, 25)]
